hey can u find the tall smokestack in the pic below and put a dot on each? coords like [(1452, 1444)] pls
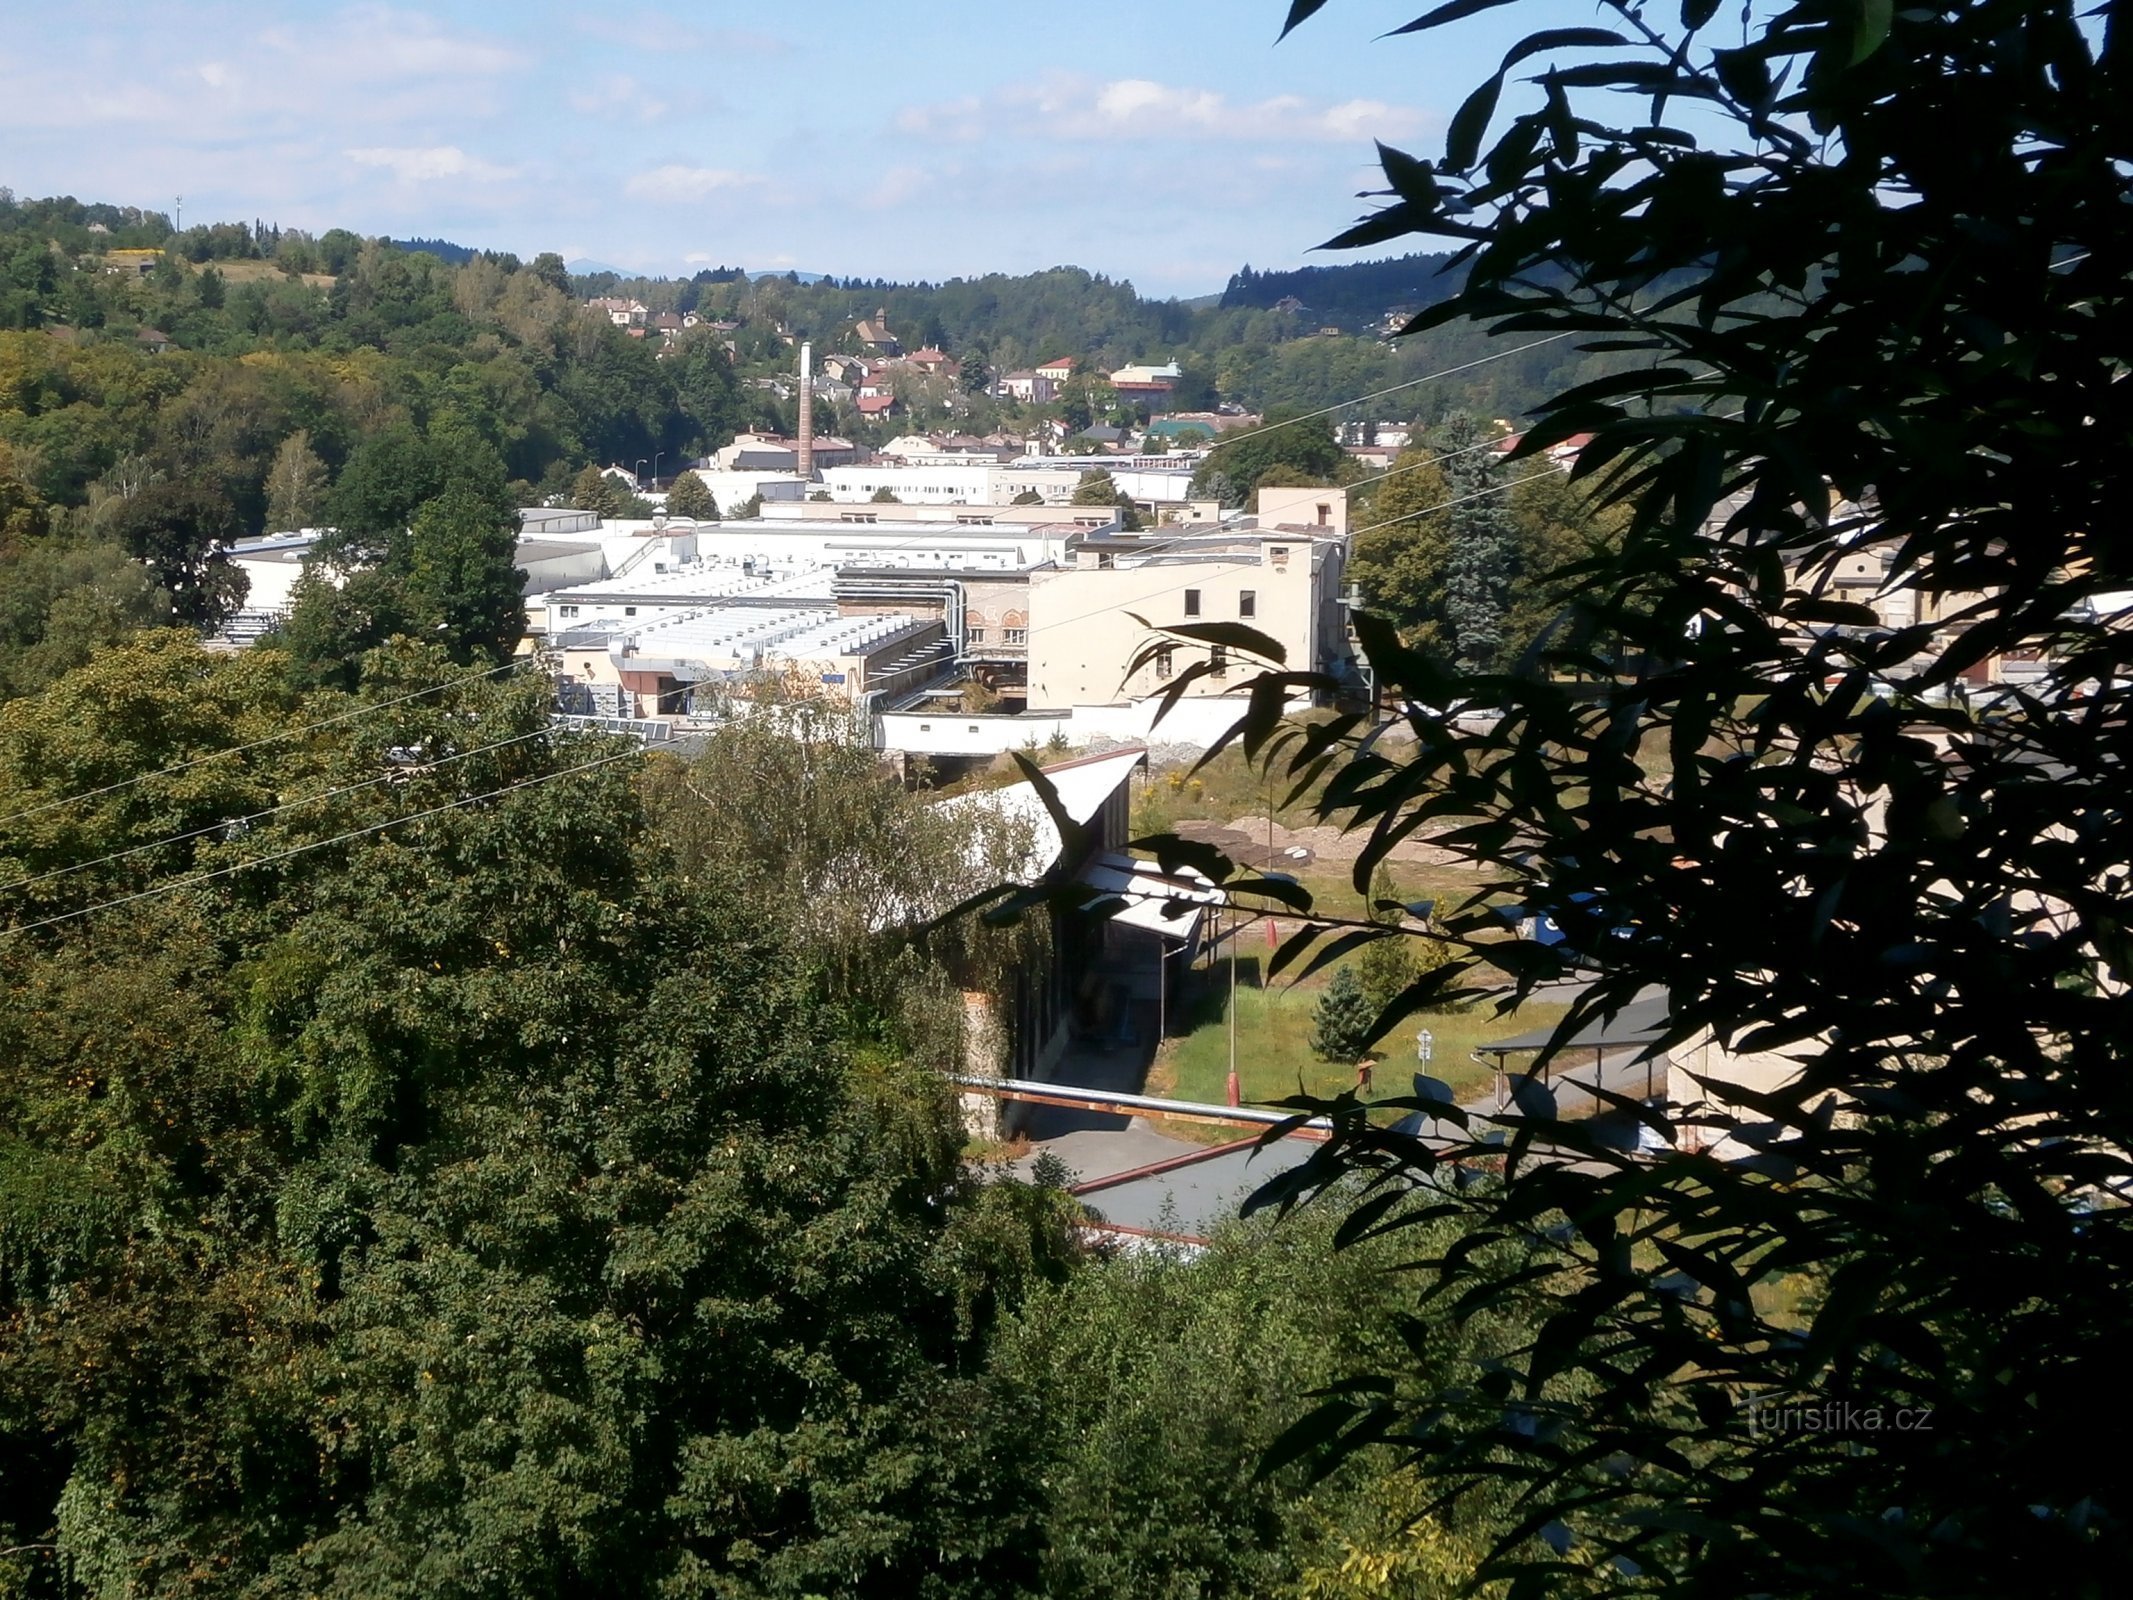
[(807, 412)]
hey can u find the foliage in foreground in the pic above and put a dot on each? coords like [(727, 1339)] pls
[(470, 1206), (1894, 336)]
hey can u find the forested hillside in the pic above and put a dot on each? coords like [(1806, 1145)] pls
[(557, 1194), (1351, 294)]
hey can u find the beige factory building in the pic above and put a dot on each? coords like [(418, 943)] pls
[(1082, 629)]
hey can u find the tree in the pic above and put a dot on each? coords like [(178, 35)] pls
[(426, 541), (182, 531), (210, 288), (1340, 1022), (1098, 488), (1405, 546), (1282, 450), (23, 513), (885, 497), (62, 601), (296, 484), (691, 497), (459, 571), (1482, 559), (526, 1165), (1028, 497), (1560, 525), (1139, 1396), (705, 387), (1385, 967), (1878, 285), (593, 490)]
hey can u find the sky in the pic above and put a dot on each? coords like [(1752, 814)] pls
[(1166, 143)]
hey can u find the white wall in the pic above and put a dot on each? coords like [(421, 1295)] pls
[(1196, 723)]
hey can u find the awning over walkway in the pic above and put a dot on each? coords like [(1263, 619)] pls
[(1641, 1022), (1168, 904)]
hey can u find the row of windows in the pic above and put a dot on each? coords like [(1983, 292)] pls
[(1166, 658), (1247, 603)]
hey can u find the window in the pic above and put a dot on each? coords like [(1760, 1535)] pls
[(1325, 515), (1280, 554), (1218, 663), (1015, 635), (977, 635), (1248, 603), (1166, 656), (1104, 561), (629, 611), (570, 611), (1192, 602)]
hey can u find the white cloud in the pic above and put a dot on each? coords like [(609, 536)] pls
[(680, 184), (897, 185), (1141, 108), (427, 164), (618, 94), (375, 43)]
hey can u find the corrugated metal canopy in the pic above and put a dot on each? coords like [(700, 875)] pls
[(1642, 1021)]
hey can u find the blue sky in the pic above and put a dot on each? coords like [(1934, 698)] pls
[(1168, 143)]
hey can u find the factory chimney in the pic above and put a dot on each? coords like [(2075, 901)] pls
[(806, 463)]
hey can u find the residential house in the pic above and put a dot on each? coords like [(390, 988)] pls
[(1030, 387), (1056, 371), (770, 452), (934, 363), (622, 313), (131, 263), (153, 340), (1144, 384), (873, 332)]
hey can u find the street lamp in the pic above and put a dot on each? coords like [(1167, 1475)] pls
[(638, 468), (656, 454)]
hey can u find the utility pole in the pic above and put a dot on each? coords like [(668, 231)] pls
[(1235, 1098), (179, 225)]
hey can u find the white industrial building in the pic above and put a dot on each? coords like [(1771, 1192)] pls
[(996, 483)]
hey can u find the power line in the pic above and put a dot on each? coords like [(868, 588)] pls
[(256, 744), (317, 844), (256, 816), (1442, 505), (1379, 394)]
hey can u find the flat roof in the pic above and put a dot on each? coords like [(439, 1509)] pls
[(739, 634), (702, 581), (551, 549)]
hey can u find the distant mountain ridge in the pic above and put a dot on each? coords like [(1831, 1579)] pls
[(1358, 292), (443, 249)]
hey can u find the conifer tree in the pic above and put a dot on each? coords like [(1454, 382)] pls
[(1483, 551), (1340, 1026)]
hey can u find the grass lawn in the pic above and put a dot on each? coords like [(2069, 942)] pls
[(1274, 1057)]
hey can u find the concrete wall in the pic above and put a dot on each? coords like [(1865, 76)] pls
[(1083, 637), (1323, 509)]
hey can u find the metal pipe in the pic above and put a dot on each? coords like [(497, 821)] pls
[(1155, 1169), (1032, 1092)]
